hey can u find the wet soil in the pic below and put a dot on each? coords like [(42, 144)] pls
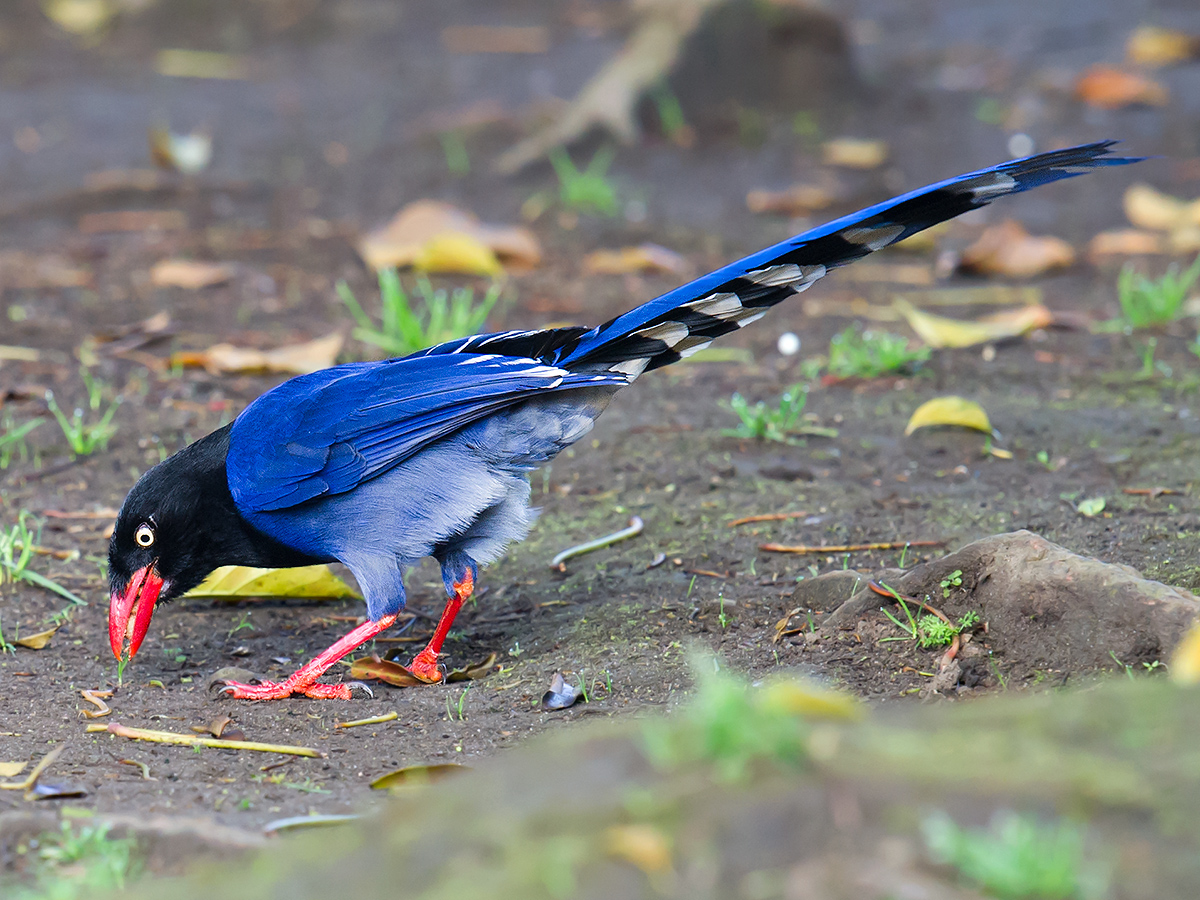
[(1081, 413)]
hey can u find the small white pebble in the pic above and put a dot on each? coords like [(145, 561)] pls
[(988, 353), (789, 343), (1020, 145)]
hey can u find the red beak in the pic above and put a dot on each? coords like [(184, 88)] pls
[(129, 612)]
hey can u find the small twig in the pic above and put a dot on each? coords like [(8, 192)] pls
[(191, 740), (635, 528), (767, 517), (374, 720), (32, 778), (708, 573), (847, 548), (96, 698), (146, 776), (1149, 492)]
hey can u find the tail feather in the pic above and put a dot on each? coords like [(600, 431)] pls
[(687, 319)]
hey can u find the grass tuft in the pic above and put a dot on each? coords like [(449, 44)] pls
[(1146, 302), (869, 354)]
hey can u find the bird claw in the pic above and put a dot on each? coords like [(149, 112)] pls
[(280, 690), (425, 667)]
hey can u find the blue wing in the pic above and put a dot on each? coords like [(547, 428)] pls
[(327, 432)]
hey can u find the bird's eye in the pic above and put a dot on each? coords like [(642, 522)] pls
[(144, 535)]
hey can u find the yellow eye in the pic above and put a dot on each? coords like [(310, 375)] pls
[(144, 535)]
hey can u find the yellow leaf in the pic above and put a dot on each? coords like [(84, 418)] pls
[(179, 63), (643, 845), (1158, 47), (1185, 662), (1125, 242), (941, 331), (854, 153), (246, 581), (800, 698), (642, 258), (296, 359), (949, 411), (456, 253), (9, 769), (418, 775), (402, 240), (1146, 207), (36, 641), (81, 17)]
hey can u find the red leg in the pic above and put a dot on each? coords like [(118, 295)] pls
[(304, 680), (425, 664)]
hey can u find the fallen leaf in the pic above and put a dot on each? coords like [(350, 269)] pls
[(1184, 240), (426, 774), (80, 17), (10, 769), (949, 411), (247, 581), (179, 63), (1008, 249), (392, 673), (941, 331), (186, 153), (799, 698), (496, 39), (401, 241), (297, 359), (189, 273), (1108, 87), (30, 271), (43, 791), (96, 698), (561, 695), (645, 846), (1091, 507), (1157, 47), (642, 258), (1185, 661), (797, 200), (458, 254), (133, 220), (36, 641), (1124, 242), (472, 671), (854, 153), (220, 728), (1146, 207)]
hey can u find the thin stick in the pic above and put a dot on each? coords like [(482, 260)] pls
[(766, 517), (847, 548), (374, 720), (191, 740), (635, 527)]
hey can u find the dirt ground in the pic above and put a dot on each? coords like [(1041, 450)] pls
[(284, 205)]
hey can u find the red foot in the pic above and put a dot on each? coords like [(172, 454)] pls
[(425, 666), (281, 690)]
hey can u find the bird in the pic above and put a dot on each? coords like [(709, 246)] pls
[(380, 464)]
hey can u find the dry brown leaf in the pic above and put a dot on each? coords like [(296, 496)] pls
[(297, 359), (133, 220), (797, 200), (854, 153), (36, 641), (29, 271), (1157, 47), (1108, 87), (1008, 249), (642, 258), (1124, 242), (1184, 241), (189, 273), (1146, 207), (402, 240), (496, 39)]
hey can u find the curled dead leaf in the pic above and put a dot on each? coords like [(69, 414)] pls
[(942, 331), (1158, 47), (642, 258), (949, 411), (96, 698), (297, 359), (221, 727), (796, 200), (645, 846), (1146, 207), (1008, 249), (424, 774), (854, 153), (1124, 242), (186, 153), (36, 641), (189, 273), (1108, 87), (561, 695), (248, 581), (457, 253), (402, 240)]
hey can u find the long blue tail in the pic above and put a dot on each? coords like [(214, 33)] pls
[(688, 318)]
